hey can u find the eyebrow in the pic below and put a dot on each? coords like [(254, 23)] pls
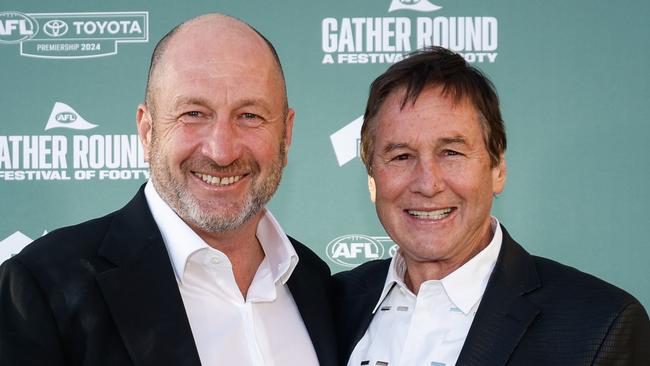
[(185, 100), (452, 140), (254, 102), (441, 142), (394, 146), (192, 100)]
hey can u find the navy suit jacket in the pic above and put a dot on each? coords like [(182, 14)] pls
[(104, 293), (534, 312)]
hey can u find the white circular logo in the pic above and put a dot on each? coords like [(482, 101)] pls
[(16, 27), (55, 28), (353, 250)]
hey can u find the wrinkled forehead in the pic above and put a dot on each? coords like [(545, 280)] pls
[(433, 115), (429, 100), (454, 95)]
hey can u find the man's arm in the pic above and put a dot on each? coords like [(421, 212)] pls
[(628, 340), (28, 331)]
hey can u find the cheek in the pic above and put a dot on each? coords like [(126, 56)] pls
[(263, 146), (177, 145), (459, 172), (471, 177), (460, 180), (390, 186), (474, 188)]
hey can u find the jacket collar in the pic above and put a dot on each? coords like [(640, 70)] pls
[(141, 290), (310, 290), (504, 314), (182, 242), (143, 297), (465, 285)]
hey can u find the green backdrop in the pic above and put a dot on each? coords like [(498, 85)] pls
[(572, 77)]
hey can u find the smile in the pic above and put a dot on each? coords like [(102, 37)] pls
[(216, 181), (430, 215)]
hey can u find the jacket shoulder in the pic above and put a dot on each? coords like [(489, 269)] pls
[(368, 275), (65, 244), (585, 307), (556, 287), (571, 284), (309, 258), (581, 318)]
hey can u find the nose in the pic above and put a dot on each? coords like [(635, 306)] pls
[(427, 178), (222, 142)]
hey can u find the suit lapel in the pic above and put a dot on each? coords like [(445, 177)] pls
[(504, 314), (141, 291), (356, 302), (366, 303), (312, 300)]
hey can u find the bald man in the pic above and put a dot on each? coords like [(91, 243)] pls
[(194, 270)]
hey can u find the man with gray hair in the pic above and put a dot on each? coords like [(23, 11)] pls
[(194, 270), (460, 290)]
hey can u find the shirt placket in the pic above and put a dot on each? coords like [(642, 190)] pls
[(246, 311), (419, 338), (225, 280)]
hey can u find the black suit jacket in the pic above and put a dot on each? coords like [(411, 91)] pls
[(534, 312), (104, 293)]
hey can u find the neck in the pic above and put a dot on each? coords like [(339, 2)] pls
[(419, 271), (242, 248)]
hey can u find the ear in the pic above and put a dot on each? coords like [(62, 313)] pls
[(372, 189), (145, 126), (288, 132), (499, 175)]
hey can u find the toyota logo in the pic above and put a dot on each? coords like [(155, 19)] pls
[(55, 28)]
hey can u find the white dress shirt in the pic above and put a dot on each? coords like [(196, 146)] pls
[(265, 328), (428, 329)]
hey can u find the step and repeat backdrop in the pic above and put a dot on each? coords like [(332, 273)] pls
[(572, 76)]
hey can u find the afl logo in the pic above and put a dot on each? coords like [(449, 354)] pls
[(16, 27), (353, 250), (66, 117)]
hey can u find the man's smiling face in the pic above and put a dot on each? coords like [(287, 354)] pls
[(219, 127), (433, 177)]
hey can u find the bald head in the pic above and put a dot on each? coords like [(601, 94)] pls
[(220, 32)]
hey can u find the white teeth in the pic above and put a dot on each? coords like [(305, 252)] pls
[(225, 181), (434, 215)]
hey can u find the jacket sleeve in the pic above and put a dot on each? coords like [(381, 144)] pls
[(28, 330), (627, 342)]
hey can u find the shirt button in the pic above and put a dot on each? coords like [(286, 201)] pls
[(215, 260)]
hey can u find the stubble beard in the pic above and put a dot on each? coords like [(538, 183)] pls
[(179, 198)]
